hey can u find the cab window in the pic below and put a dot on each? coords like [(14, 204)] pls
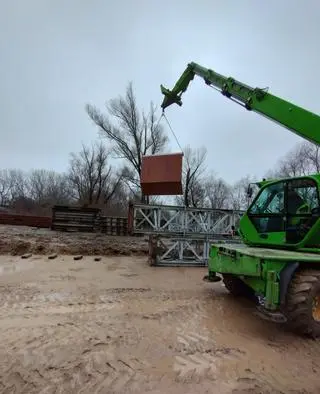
[(302, 196), (270, 201), (267, 212)]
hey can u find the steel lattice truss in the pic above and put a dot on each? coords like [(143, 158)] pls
[(177, 252), (165, 251), (175, 220), (181, 236)]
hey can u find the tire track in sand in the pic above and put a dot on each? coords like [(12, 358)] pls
[(198, 356)]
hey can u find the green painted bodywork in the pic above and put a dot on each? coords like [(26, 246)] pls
[(263, 256), (259, 267), (250, 236)]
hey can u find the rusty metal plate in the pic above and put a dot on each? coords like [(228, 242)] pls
[(162, 174)]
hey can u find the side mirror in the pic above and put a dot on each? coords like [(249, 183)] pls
[(249, 191)]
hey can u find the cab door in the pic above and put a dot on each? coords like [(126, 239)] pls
[(302, 202), (268, 215)]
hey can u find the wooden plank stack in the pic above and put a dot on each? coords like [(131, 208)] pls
[(67, 218), (114, 225)]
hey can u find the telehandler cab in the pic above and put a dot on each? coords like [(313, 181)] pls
[(278, 261)]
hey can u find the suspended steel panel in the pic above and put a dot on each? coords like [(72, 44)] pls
[(161, 175)]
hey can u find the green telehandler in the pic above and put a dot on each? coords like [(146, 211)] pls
[(278, 261)]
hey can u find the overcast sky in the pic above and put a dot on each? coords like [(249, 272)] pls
[(57, 55)]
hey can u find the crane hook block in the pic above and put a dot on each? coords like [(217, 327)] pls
[(169, 97)]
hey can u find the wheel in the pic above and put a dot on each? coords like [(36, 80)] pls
[(303, 303), (237, 287)]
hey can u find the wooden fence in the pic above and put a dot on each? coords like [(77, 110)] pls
[(25, 220)]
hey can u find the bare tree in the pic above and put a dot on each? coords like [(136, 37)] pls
[(91, 176), (303, 159), (218, 193), (293, 164), (193, 177), (12, 185), (197, 194), (58, 188), (5, 187), (27, 191), (37, 184), (132, 133), (239, 194), (310, 156), (48, 187), (19, 184), (119, 202)]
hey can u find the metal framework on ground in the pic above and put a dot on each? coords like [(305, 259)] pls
[(180, 236)]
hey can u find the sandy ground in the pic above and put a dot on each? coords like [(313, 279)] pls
[(120, 326)]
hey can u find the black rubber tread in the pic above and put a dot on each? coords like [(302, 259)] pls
[(302, 289), (237, 287)]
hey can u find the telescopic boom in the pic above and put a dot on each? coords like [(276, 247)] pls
[(300, 121)]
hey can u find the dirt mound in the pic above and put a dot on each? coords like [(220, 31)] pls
[(20, 240)]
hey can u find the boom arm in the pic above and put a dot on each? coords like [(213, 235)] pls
[(300, 121)]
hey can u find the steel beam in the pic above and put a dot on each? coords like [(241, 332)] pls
[(176, 220), (180, 236), (177, 252)]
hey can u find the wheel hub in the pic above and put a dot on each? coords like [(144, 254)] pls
[(316, 308)]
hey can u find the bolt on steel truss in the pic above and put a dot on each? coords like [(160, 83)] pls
[(175, 220)]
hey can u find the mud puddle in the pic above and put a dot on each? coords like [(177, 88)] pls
[(15, 267)]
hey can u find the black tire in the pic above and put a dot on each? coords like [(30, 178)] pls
[(237, 287), (300, 303)]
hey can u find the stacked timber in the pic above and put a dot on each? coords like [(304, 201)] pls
[(66, 218), (114, 225)]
